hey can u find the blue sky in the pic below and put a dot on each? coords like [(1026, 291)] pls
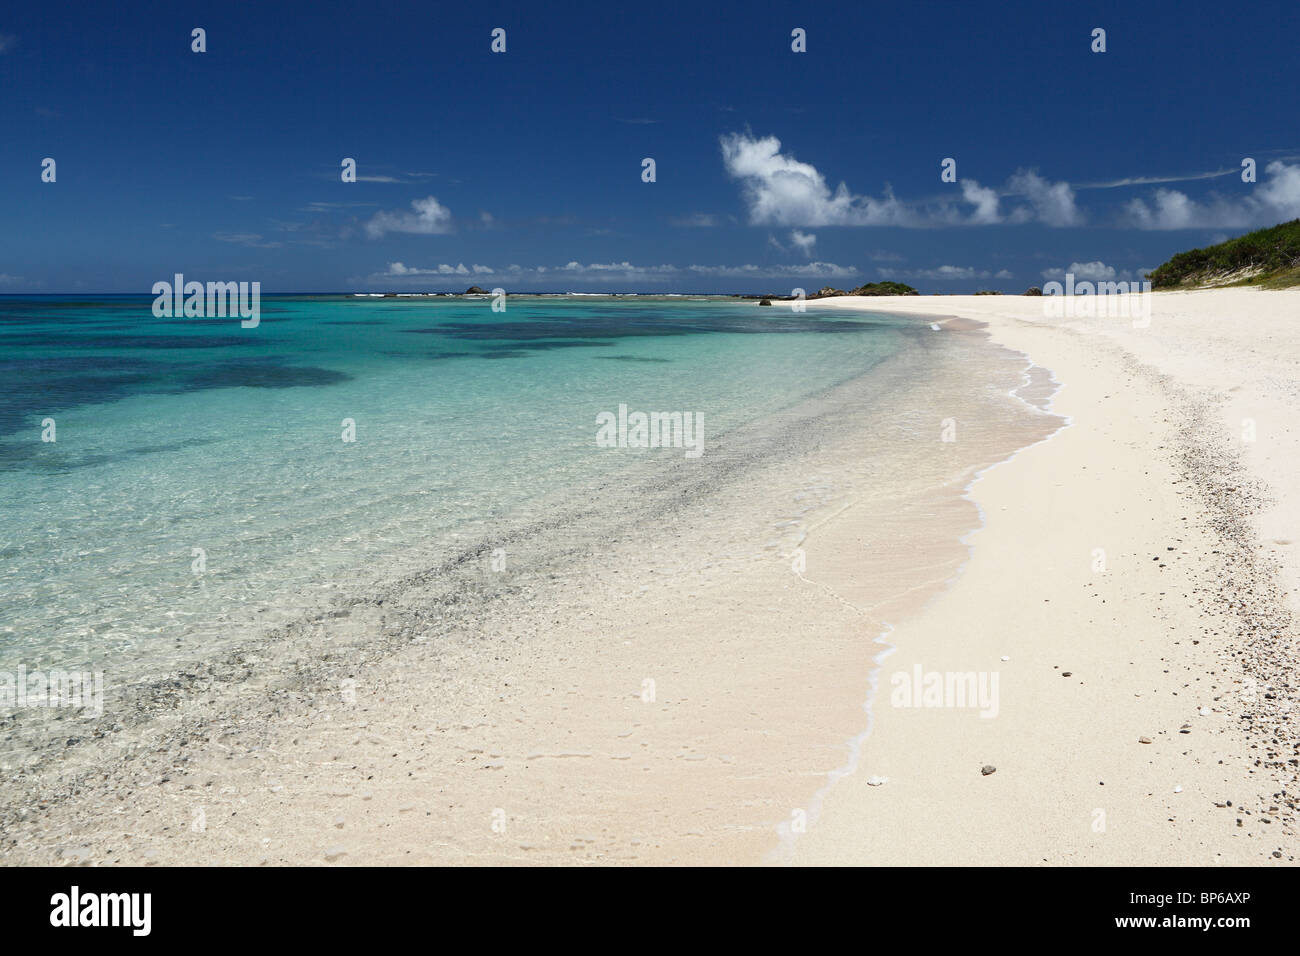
[(774, 169)]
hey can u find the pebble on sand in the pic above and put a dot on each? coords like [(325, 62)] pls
[(987, 769)]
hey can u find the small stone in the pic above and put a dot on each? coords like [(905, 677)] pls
[(987, 769), (1144, 740), (1005, 657), (1178, 789), (1067, 673), (877, 781)]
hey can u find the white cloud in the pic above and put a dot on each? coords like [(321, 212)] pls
[(430, 217), (1276, 199), (783, 191), (1092, 271), (985, 201), (780, 190), (804, 241), (1053, 203), (401, 269)]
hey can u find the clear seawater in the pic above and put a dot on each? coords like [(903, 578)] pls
[(183, 434)]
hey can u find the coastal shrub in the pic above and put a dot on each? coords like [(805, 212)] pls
[(1266, 251)]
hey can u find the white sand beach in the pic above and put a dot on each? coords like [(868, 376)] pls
[(1185, 640)]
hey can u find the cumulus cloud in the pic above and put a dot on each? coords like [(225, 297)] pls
[(781, 190), (428, 217), (1092, 271), (1275, 199), (401, 269), (1053, 203), (985, 201)]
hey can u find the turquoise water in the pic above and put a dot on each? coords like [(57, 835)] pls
[(180, 434)]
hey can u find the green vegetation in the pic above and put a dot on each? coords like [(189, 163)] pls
[(1265, 257), (884, 288)]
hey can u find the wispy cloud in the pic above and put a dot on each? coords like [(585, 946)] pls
[(696, 220), (320, 207), (251, 239), (1154, 180)]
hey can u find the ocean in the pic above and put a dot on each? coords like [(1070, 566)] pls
[(206, 482)]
